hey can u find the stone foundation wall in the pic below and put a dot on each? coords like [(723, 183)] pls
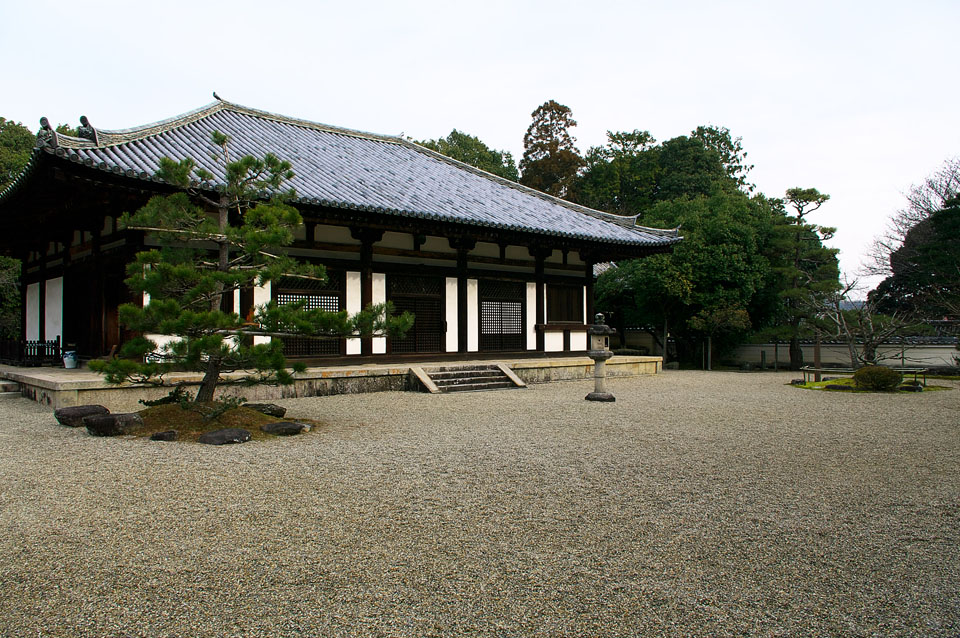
[(58, 389)]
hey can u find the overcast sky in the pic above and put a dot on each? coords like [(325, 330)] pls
[(857, 99)]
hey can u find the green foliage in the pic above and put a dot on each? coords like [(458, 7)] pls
[(470, 150), (177, 395), (730, 151), (877, 378), (16, 142), (621, 176), (925, 269), (9, 297), (688, 168), (715, 283), (550, 160), (209, 247)]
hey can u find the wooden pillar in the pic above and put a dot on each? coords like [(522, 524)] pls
[(99, 304), (24, 258), (42, 297), (463, 245), (588, 283), (367, 238), (540, 254)]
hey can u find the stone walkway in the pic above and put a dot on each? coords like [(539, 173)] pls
[(698, 504)]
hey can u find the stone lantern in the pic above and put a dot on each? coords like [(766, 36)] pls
[(599, 334)]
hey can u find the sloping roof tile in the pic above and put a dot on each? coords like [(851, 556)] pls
[(343, 168)]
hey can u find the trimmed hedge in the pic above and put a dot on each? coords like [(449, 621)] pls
[(877, 378)]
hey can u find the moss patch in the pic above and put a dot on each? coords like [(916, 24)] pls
[(191, 423), (822, 385)]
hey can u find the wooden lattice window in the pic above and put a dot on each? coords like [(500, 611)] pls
[(501, 315), (327, 295), (423, 296), (564, 304)]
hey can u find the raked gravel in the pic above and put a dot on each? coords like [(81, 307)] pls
[(698, 504)]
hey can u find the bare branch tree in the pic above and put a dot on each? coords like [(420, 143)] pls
[(923, 200)]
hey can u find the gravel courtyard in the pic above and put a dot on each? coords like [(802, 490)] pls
[(698, 504)]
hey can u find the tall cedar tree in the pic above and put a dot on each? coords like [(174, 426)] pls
[(550, 161), (470, 150), (247, 222)]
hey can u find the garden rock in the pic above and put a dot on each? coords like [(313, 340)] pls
[(113, 424), (270, 409), (284, 428), (911, 388), (73, 416), (225, 436), (837, 386), (169, 435)]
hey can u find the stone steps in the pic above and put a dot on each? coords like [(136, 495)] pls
[(471, 378)]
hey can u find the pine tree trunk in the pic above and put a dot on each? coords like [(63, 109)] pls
[(209, 383), (796, 354)]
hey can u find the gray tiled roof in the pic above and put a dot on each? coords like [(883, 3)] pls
[(343, 168)]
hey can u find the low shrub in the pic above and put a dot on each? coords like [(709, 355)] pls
[(877, 378)]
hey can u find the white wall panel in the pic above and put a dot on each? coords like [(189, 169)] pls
[(53, 309), (531, 315), (353, 306), (473, 316), (33, 312), (450, 301), (379, 296)]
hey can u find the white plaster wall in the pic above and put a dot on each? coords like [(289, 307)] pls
[(531, 315), (33, 312), (53, 309), (333, 234), (261, 295), (450, 301), (587, 320), (553, 341), (353, 306), (891, 355), (391, 239), (473, 316), (379, 296), (486, 249), (437, 245), (578, 340)]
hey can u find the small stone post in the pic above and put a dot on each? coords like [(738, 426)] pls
[(599, 334)]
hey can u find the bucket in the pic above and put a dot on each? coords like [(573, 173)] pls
[(70, 359)]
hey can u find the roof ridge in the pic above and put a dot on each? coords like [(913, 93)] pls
[(115, 137)]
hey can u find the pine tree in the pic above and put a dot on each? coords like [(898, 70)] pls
[(214, 240)]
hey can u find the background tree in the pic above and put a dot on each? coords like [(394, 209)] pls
[(619, 177), (730, 150), (16, 142), (689, 168), (923, 200), (712, 284), (470, 150), (924, 275), (204, 259), (550, 160)]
